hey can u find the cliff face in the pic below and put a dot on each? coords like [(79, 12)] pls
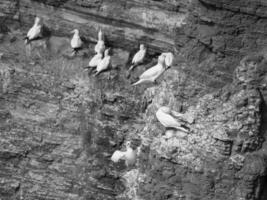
[(60, 126), (125, 21)]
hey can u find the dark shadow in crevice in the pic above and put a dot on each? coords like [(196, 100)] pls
[(263, 192)]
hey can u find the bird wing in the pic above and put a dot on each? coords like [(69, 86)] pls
[(34, 32), (137, 57), (151, 72), (79, 42), (117, 155), (76, 42), (103, 64), (95, 60), (130, 157), (96, 48), (167, 120)]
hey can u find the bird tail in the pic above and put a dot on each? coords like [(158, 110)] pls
[(132, 67), (182, 129), (86, 68), (97, 73), (138, 82), (75, 50), (27, 40)]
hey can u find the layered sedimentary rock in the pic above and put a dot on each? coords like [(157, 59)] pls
[(60, 126), (124, 22)]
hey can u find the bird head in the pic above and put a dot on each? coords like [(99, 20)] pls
[(142, 47), (161, 59), (169, 59), (37, 20), (75, 31), (128, 144), (100, 35), (107, 52), (165, 109)]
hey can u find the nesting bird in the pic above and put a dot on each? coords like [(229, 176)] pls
[(138, 57), (129, 155), (104, 63), (100, 45), (164, 115), (35, 31), (76, 42), (154, 72), (168, 59), (95, 60)]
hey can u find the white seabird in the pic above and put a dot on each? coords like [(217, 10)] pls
[(35, 31), (129, 155), (164, 115), (168, 59), (100, 45), (76, 42), (154, 72), (138, 57), (104, 63), (95, 60)]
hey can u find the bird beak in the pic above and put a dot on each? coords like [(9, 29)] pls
[(72, 31)]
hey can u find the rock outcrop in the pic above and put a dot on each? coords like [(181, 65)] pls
[(59, 126), (213, 159)]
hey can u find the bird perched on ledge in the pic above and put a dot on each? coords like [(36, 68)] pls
[(154, 72), (129, 155), (165, 117), (104, 63), (138, 57), (35, 31), (94, 61), (76, 42), (100, 45)]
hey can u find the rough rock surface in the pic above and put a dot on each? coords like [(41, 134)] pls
[(60, 126)]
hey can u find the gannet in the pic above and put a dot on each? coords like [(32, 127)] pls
[(100, 45), (138, 57), (168, 59), (154, 72), (104, 63), (95, 60), (164, 115), (35, 31), (76, 42), (129, 155)]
